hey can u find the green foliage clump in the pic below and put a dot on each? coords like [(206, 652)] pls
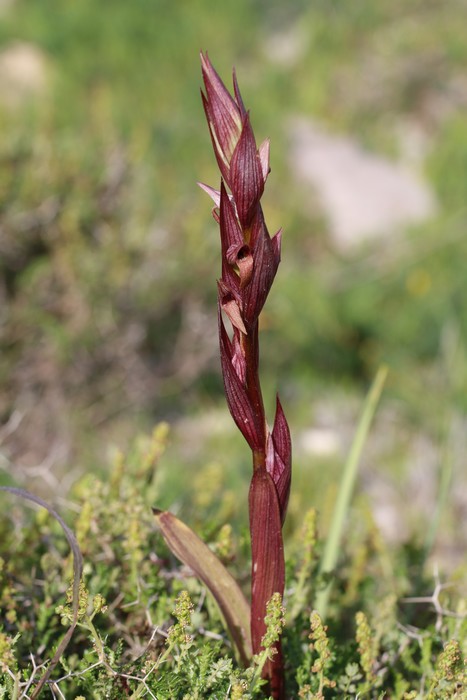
[(147, 628)]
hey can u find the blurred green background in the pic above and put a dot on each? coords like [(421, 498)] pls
[(109, 255)]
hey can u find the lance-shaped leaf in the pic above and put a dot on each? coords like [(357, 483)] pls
[(236, 394), (267, 551), (231, 237), (193, 552), (279, 458), (266, 258), (246, 175), (224, 117)]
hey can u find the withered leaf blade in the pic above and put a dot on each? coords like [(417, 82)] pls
[(193, 552)]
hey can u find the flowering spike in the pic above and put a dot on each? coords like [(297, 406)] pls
[(249, 264)]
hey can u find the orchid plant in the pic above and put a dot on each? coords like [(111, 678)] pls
[(250, 258)]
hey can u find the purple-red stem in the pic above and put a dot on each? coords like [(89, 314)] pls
[(250, 347)]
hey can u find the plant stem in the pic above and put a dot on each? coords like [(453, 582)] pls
[(250, 347)]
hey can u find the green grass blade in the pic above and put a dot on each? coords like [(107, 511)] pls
[(333, 542), (445, 474)]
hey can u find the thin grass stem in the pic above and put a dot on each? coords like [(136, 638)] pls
[(344, 497)]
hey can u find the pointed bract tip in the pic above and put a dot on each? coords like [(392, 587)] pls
[(238, 96), (214, 194), (263, 153)]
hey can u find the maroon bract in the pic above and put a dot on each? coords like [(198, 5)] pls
[(250, 258)]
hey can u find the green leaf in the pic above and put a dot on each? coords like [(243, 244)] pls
[(193, 552)]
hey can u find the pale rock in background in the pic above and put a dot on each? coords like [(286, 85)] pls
[(363, 196), (23, 73)]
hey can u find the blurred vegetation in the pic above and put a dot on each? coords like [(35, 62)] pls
[(109, 257)]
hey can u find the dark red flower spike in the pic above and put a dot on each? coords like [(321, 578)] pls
[(250, 259)]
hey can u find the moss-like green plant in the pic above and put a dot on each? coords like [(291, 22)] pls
[(366, 647), (450, 677), (313, 687)]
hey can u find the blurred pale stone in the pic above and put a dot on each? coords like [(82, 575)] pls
[(23, 73), (363, 195), (319, 442), (5, 6)]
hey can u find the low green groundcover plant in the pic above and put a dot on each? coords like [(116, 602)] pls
[(148, 628), (324, 622)]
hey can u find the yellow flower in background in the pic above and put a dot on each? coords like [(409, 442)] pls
[(418, 282)]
